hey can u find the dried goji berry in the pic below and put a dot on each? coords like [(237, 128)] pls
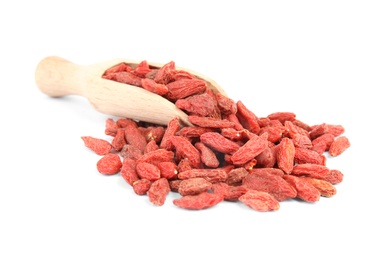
[(128, 171), (184, 165), (310, 170), (142, 69), (199, 105), (184, 88), (303, 155), (228, 192), (158, 191), (302, 125), (275, 133), (171, 129), (199, 201), (185, 149), (194, 186), (210, 122), (292, 130), (124, 122), (117, 68), (168, 170), (193, 131), (335, 130), (282, 116), (157, 156), (260, 201), (141, 187), (271, 183), (165, 74), (151, 146), (226, 105), (211, 175), (266, 158), (109, 164), (318, 130), (154, 133), (174, 185), (305, 190), (207, 155), (334, 176), (235, 176), (180, 74), (152, 86), (119, 140), (127, 78), (219, 143), (111, 127), (129, 151), (99, 146), (148, 171), (247, 118), (252, 148), (325, 188), (327, 139), (135, 137), (285, 155), (339, 145)]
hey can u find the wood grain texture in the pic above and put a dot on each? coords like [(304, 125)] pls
[(58, 77)]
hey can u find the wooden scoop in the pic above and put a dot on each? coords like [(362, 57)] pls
[(58, 77)]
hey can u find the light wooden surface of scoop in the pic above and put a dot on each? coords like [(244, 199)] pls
[(58, 77)]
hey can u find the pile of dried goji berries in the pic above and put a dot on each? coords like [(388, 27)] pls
[(228, 153)]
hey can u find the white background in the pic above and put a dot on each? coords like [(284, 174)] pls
[(326, 61)]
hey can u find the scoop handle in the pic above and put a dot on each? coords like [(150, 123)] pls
[(58, 77)]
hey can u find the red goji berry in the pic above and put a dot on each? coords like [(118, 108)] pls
[(211, 175), (235, 176), (194, 186), (99, 146), (207, 155), (184, 88), (142, 69), (135, 137), (339, 145), (158, 191), (210, 122), (247, 118), (231, 193), (282, 116), (199, 201), (325, 188), (199, 105), (185, 149), (119, 140), (165, 74), (128, 171), (152, 86), (259, 201), (285, 155), (305, 190), (168, 170), (219, 143), (141, 187), (148, 171), (226, 105), (310, 170), (252, 148), (109, 164), (172, 127), (271, 183)]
